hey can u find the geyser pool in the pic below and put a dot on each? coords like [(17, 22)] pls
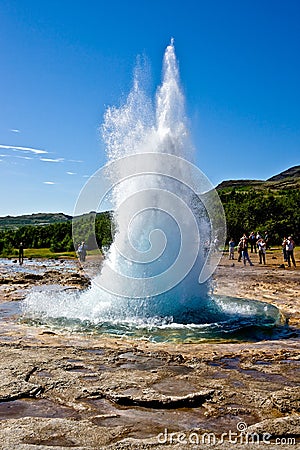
[(233, 319), (169, 226)]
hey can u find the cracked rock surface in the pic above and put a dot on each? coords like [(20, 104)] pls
[(62, 391), (81, 393)]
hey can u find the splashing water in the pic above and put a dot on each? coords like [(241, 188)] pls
[(168, 220)]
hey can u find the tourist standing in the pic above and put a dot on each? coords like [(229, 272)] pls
[(21, 253), (258, 236), (284, 244), (239, 249), (244, 247), (290, 245), (261, 244), (231, 248), (206, 248), (267, 240), (79, 250), (252, 240), (83, 251)]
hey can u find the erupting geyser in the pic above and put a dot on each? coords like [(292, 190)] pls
[(168, 227)]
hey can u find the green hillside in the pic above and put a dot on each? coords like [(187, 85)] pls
[(250, 205), (14, 222), (289, 179), (271, 205), (94, 229)]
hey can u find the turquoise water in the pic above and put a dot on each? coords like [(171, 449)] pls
[(230, 319)]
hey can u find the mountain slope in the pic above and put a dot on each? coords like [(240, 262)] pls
[(293, 172), (288, 179), (13, 222)]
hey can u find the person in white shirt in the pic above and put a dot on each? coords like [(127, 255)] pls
[(261, 250), (290, 245)]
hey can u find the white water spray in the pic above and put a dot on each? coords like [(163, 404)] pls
[(167, 219)]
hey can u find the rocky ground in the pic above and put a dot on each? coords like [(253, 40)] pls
[(63, 390), (269, 283)]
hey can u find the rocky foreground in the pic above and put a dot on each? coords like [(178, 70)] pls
[(61, 391)]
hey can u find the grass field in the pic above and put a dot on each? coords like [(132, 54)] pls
[(48, 254), (39, 253)]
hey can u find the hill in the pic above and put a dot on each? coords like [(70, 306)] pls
[(293, 172), (288, 179), (15, 222), (271, 205)]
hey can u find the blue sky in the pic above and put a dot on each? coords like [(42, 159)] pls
[(63, 62)]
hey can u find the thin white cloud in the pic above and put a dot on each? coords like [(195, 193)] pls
[(91, 176), (15, 130), (23, 157), (75, 160), (36, 151), (71, 173), (16, 156), (57, 160), (48, 182)]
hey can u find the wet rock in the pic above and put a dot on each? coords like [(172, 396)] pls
[(287, 400), (14, 386), (82, 374), (58, 433), (121, 393), (152, 399), (176, 358), (283, 426), (55, 276), (49, 277), (48, 332)]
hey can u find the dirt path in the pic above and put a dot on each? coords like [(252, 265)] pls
[(268, 283)]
